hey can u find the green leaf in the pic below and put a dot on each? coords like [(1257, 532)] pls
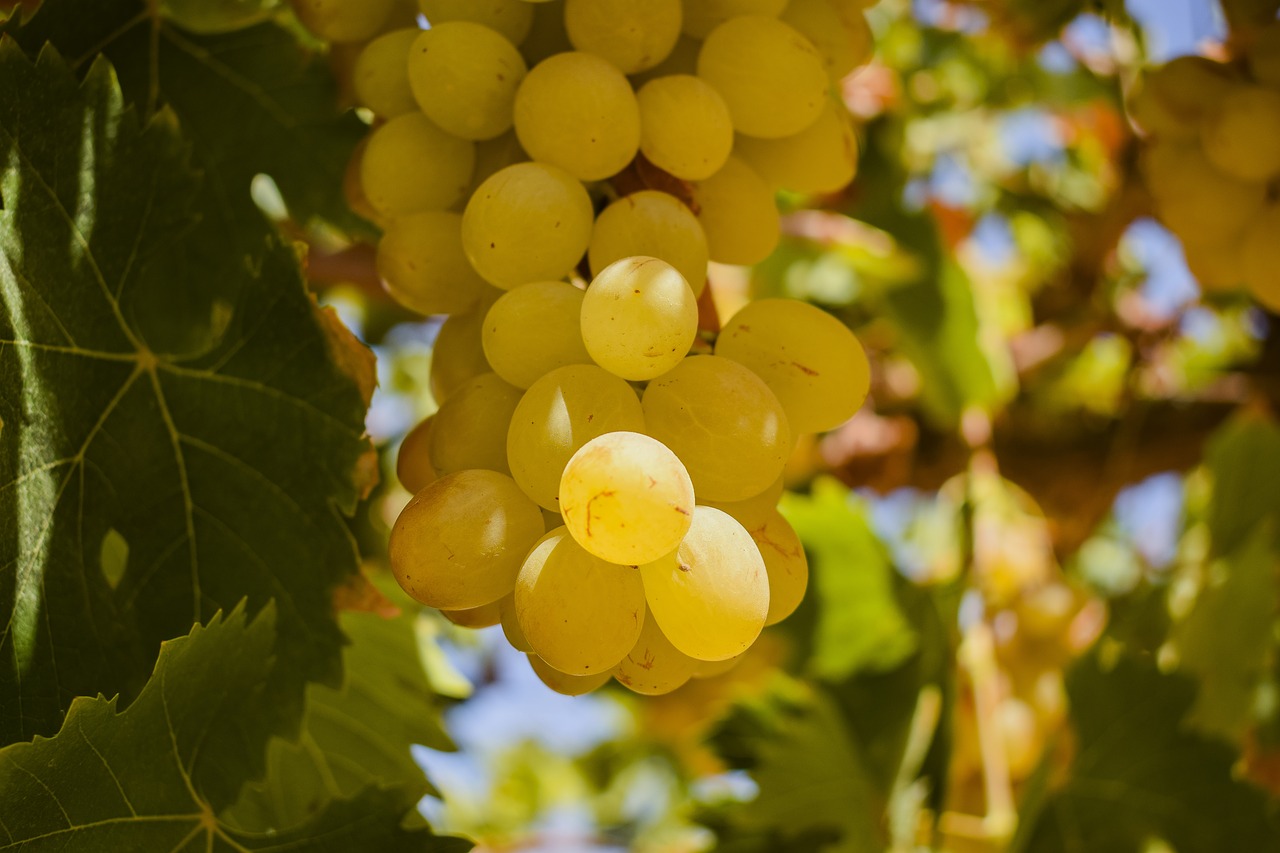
[(859, 625), (1139, 774), (218, 470), (353, 736), (1231, 661), (154, 776), (1243, 458)]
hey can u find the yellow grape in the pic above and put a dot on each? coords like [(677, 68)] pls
[(576, 111), (563, 683), (413, 461), (557, 415), (1197, 200), (547, 36), (528, 222), (723, 422), (809, 359), (1240, 137), (772, 79), (711, 596), (786, 564), (654, 666), (685, 128), (837, 28), (534, 329), (756, 510), (342, 20), (411, 165), (494, 155), (738, 214), (822, 158), (457, 356), (626, 498), (511, 625), (651, 223), (713, 668), (1175, 97), (484, 616), (639, 318), (470, 429), (631, 34), (703, 16), (551, 519), (459, 542), (1260, 258), (421, 261), (579, 613), (464, 76), (1217, 268), (381, 76), (683, 59), (512, 18), (1264, 55)]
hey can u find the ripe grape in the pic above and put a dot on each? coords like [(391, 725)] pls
[(534, 329), (494, 155), (738, 214), (512, 18), (710, 597), (626, 498), (511, 625), (470, 429), (756, 510), (1196, 199), (341, 20), (651, 223), (381, 77), (484, 616), (809, 359), (822, 158), (703, 16), (576, 111), (683, 60), (529, 222), (1215, 267), (458, 354), (580, 614), (785, 563), (837, 28), (562, 682), (1260, 258), (631, 34), (557, 415), (421, 261), (464, 76), (772, 79), (685, 127), (1240, 137), (1176, 97), (639, 318), (547, 36), (413, 461), (411, 165), (713, 668), (723, 422), (1264, 55), (654, 666), (459, 542)]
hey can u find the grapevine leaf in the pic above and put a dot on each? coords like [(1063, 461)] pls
[(217, 470), (1243, 458), (1140, 774), (154, 776), (353, 736)]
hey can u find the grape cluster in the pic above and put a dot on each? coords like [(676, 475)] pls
[(600, 478), (1213, 163)]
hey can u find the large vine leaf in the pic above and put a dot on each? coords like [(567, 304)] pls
[(1139, 774), (1243, 457), (143, 488), (155, 776)]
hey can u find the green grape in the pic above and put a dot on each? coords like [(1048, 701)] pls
[(685, 128), (381, 77), (723, 422), (822, 158), (494, 155), (547, 36), (626, 498), (654, 666), (1177, 96), (809, 359), (786, 564), (411, 165), (511, 18), (1260, 258), (534, 329), (557, 415), (837, 28), (703, 16), (683, 60), (470, 428), (458, 354), (529, 222), (464, 76), (711, 596), (562, 682), (756, 510), (639, 318), (413, 461), (511, 625), (651, 223), (422, 263), (1264, 55), (1240, 137), (208, 17), (632, 34), (577, 112), (580, 614), (343, 20), (484, 616), (738, 214), (770, 76), (1199, 202), (460, 541)]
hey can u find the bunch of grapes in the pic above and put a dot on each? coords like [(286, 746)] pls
[(601, 476), (1213, 163)]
